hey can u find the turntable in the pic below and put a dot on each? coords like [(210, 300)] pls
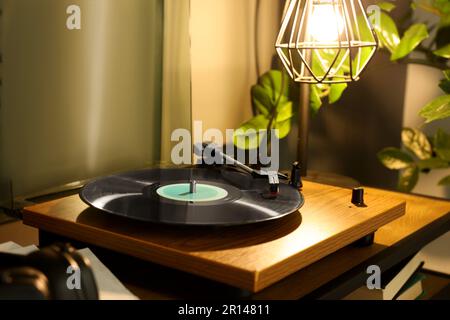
[(223, 195), (230, 223)]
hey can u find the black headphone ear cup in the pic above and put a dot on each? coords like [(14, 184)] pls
[(88, 286), (54, 263), (23, 283), (88, 282), (58, 263)]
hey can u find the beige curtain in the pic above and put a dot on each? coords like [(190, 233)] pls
[(176, 101), (85, 103)]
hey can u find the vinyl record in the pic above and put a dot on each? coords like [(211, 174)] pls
[(223, 197)]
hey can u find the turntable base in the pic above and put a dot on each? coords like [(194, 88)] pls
[(250, 257)]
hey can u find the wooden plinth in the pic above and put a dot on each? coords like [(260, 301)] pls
[(249, 257)]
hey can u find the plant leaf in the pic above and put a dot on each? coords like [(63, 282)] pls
[(266, 93), (261, 99), (284, 112), (437, 109), (283, 128), (270, 97), (315, 100), (387, 32), (445, 21), (445, 85), (443, 52), (433, 163), (445, 181), (447, 74), (436, 7), (408, 179), (395, 159), (443, 32), (336, 91), (272, 80), (442, 5), (417, 142), (411, 39), (386, 6), (442, 144), (245, 139)]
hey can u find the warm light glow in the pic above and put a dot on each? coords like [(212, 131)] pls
[(337, 32), (326, 23)]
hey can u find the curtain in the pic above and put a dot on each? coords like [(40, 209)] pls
[(78, 104), (176, 104)]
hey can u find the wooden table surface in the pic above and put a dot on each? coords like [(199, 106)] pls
[(249, 257), (425, 219)]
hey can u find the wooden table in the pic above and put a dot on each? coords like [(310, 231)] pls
[(264, 263)]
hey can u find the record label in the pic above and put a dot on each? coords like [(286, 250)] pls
[(181, 192)]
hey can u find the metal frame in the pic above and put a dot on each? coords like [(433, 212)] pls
[(294, 41)]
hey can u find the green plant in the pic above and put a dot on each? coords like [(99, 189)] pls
[(272, 108), (430, 43), (422, 154)]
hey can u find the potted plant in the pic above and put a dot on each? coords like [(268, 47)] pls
[(426, 43)]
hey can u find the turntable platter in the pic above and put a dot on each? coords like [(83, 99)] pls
[(223, 196)]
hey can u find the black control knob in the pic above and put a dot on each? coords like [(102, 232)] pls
[(358, 197), (296, 176)]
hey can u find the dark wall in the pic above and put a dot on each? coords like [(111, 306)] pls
[(346, 137)]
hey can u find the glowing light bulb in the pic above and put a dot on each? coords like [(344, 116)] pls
[(326, 23)]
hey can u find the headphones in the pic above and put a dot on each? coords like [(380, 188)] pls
[(46, 274)]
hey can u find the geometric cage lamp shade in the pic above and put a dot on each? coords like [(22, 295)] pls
[(325, 41)]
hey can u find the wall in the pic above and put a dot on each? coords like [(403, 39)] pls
[(346, 137), (223, 58), (82, 103)]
